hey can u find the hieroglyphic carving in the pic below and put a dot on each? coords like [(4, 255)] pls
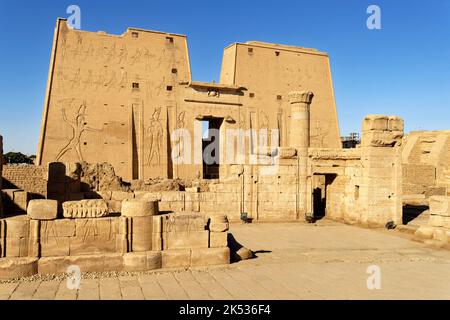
[(318, 134), (90, 229), (78, 127), (184, 223), (264, 139), (155, 133), (49, 231), (94, 208), (179, 139)]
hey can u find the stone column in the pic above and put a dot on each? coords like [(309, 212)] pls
[(300, 102), (299, 136)]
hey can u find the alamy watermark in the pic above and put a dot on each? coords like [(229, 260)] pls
[(74, 277), (74, 20), (374, 20), (374, 280)]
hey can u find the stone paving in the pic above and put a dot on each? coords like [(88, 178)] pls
[(294, 261)]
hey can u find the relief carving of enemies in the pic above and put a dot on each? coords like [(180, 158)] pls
[(155, 135), (79, 126)]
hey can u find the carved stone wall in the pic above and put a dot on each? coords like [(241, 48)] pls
[(120, 99)]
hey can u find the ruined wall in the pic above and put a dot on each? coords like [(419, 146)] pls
[(426, 163), (138, 240), (29, 178), (365, 184), (270, 72), (437, 229)]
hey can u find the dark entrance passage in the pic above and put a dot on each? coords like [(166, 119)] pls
[(320, 186), (211, 147)]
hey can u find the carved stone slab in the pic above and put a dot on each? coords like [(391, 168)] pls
[(95, 208)]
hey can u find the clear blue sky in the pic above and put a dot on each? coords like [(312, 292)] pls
[(402, 69)]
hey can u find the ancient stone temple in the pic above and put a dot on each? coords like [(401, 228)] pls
[(120, 99), (139, 167)]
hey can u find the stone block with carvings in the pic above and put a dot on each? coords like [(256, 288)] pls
[(94, 208)]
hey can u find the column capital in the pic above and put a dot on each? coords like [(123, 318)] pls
[(300, 97)]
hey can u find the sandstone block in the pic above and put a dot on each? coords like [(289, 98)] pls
[(195, 239), (54, 246), (425, 232), (141, 261), (184, 222), (242, 254), (287, 153), (42, 209), (141, 242), (58, 228), (440, 234), (135, 261), (446, 222), (139, 208), (21, 199), (114, 206), (395, 123), (93, 208), (210, 256), (193, 189), (154, 260), (375, 122), (218, 239), (105, 195), (436, 221), (176, 258), (11, 268), (121, 195), (440, 205), (218, 223), (16, 247), (87, 263), (17, 227)]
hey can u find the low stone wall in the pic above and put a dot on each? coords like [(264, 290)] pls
[(134, 241), (437, 231), (26, 177)]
